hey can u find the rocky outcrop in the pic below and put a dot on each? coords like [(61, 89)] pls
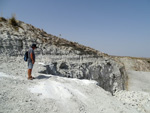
[(62, 57), (110, 75)]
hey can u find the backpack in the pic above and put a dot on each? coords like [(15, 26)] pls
[(26, 56)]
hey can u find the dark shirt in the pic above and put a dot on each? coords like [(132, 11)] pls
[(29, 56)]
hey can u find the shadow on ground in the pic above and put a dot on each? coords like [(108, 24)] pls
[(43, 77)]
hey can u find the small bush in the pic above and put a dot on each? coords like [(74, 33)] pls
[(148, 61), (13, 21)]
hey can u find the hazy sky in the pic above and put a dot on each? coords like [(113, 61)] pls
[(115, 27)]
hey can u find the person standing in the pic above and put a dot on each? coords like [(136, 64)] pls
[(31, 60)]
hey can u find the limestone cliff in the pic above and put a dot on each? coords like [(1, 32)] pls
[(62, 57)]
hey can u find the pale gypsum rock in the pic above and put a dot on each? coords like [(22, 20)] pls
[(69, 59), (108, 75)]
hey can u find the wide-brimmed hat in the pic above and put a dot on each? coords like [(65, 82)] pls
[(34, 45)]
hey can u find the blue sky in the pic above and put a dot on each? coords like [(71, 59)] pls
[(115, 27)]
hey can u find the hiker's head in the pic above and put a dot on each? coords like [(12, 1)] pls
[(34, 46)]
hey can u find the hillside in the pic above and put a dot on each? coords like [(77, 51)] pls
[(69, 77), (26, 31), (62, 57)]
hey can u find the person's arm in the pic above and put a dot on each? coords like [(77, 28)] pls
[(31, 55)]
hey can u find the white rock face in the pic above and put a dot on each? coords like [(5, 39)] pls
[(62, 57), (138, 81), (136, 64), (109, 75)]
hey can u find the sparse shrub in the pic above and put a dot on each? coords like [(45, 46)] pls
[(13, 21)]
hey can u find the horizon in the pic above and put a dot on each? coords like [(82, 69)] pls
[(118, 28)]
